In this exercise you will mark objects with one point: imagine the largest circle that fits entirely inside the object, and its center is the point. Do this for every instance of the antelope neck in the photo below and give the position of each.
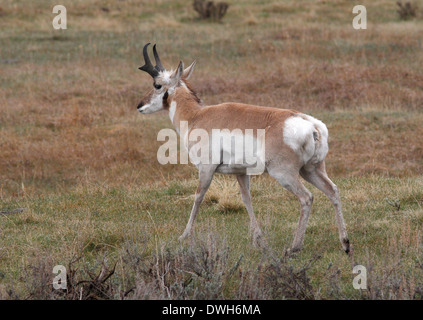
(184, 105)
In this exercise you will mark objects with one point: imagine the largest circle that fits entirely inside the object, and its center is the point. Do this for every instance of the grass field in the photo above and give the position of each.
(81, 161)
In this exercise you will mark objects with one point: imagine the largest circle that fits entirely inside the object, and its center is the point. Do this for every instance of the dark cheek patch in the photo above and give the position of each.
(165, 102)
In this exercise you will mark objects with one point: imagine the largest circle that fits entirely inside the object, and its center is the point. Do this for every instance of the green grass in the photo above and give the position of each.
(95, 220)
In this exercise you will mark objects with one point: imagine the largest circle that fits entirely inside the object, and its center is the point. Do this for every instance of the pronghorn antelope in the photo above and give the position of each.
(295, 144)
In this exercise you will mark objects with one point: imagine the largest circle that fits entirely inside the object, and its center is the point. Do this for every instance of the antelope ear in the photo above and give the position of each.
(176, 76)
(188, 71)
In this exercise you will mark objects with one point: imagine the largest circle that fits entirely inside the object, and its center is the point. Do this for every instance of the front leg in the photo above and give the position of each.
(244, 184)
(206, 176)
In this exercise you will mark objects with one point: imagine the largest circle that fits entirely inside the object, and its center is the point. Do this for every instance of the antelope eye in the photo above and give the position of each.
(157, 86)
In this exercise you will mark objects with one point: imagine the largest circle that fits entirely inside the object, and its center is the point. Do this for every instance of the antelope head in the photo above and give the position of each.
(165, 82)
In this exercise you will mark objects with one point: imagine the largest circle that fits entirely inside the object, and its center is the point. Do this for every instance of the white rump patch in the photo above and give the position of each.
(299, 134)
(323, 135)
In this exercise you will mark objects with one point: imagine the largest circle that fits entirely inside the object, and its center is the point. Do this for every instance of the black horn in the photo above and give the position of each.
(159, 65)
(148, 67)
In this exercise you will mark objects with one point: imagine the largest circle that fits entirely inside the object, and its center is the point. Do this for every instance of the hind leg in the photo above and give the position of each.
(290, 179)
(316, 175)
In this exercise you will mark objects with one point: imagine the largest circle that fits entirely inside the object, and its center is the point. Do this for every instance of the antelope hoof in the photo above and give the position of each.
(258, 239)
(183, 236)
(292, 252)
(346, 246)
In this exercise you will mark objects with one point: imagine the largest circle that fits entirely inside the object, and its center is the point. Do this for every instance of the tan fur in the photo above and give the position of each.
(146, 98)
(235, 116)
(281, 160)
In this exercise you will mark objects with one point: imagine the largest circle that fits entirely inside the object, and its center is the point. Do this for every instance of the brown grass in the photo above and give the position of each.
(64, 121)
(225, 194)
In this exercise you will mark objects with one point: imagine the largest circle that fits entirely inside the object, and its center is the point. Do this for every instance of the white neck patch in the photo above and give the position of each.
(172, 110)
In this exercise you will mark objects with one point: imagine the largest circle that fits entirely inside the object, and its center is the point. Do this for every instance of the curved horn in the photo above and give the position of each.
(148, 67)
(159, 65)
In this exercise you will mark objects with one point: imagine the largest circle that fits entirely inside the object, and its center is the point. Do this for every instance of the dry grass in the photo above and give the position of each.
(224, 193)
(84, 110)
